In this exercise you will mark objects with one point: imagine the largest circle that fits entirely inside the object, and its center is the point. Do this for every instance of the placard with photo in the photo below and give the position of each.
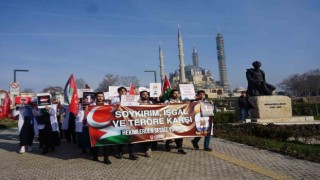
(81, 91)
(22, 101)
(88, 98)
(43, 100)
(207, 109)
(155, 89)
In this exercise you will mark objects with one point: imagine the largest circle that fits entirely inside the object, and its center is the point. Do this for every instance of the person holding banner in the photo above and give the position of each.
(175, 98)
(94, 150)
(201, 97)
(144, 100)
(117, 100)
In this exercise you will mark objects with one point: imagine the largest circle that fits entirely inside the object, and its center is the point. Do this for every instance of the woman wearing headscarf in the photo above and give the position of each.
(26, 127)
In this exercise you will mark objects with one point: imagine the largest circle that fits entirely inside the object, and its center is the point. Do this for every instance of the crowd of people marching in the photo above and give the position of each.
(55, 122)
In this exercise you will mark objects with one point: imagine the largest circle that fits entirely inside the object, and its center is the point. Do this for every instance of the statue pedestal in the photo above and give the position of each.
(277, 110)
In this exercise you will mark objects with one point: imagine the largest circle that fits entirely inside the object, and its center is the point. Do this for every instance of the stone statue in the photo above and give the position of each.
(257, 85)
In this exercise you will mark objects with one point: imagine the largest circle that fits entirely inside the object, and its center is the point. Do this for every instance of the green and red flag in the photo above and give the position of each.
(71, 95)
(166, 89)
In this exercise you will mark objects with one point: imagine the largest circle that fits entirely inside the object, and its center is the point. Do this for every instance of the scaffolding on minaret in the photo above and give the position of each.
(195, 57)
(222, 63)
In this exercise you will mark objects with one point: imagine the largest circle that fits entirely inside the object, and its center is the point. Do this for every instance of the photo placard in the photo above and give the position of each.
(88, 98)
(43, 100)
(22, 101)
(155, 89)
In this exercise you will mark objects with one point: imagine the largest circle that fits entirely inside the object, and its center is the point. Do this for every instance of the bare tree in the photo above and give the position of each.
(108, 80)
(307, 84)
(127, 80)
(115, 80)
(80, 83)
(53, 90)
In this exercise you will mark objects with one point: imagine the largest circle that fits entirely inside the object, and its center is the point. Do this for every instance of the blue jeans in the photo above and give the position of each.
(207, 140)
(245, 112)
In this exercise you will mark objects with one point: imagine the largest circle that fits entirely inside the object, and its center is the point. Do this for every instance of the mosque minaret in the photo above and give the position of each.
(195, 57)
(161, 64)
(181, 58)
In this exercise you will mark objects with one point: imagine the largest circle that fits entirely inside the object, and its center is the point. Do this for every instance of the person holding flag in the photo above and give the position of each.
(71, 98)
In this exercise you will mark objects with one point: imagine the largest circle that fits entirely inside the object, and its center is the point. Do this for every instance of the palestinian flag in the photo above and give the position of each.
(101, 129)
(166, 89)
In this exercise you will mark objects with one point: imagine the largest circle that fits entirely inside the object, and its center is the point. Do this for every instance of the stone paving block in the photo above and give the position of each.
(67, 162)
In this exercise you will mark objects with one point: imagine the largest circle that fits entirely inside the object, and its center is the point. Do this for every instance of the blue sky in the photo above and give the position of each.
(90, 38)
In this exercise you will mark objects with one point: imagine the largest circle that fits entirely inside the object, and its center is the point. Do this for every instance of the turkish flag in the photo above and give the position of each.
(70, 92)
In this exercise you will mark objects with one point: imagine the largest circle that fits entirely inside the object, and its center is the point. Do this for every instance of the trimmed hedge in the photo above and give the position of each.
(8, 123)
(275, 138)
(225, 117)
(305, 109)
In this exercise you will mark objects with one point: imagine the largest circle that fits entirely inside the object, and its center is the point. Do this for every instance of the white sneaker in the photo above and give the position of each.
(22, 150)
(29, 148)
(148, 153)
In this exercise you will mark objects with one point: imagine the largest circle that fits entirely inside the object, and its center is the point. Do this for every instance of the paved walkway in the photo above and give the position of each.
(229, 160)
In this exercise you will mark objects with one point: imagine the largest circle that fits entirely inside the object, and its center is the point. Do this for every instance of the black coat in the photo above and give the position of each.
(245, 102)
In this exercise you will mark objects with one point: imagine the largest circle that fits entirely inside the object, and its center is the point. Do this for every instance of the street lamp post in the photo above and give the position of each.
(18, 70)
(155, 74)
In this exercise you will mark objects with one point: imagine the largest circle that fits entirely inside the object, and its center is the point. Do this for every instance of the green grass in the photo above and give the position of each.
(8, 123)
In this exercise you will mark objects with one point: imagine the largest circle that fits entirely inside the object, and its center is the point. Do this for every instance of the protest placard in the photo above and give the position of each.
(22, 101)
(113, 90)
(155, 89)
(187, 91)
(88, 98)
(81, 91)
(43, 100)
(207, 109)
(130, 100)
